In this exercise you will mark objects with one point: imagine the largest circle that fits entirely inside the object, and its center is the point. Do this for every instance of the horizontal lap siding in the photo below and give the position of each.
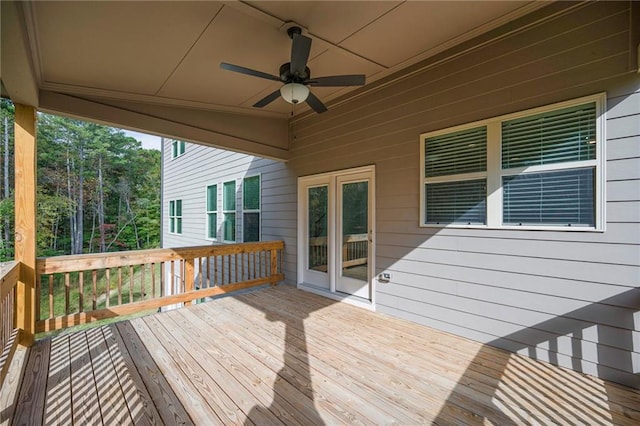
(187, 177)
(565, 297)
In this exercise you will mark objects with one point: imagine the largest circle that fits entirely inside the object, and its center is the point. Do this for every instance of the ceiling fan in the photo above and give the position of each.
(296, 76)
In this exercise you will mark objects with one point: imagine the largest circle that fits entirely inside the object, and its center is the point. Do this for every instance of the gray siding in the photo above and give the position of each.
(187, 177)
(570, 298)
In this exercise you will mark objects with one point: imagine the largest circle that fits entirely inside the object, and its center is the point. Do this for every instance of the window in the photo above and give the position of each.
(212, 212)
(229, 211)
(251, 209)
(175, 216)
(455, 177)
(541, 168)
(177, 149)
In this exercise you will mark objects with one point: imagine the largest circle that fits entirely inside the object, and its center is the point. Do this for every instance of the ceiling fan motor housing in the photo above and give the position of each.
(287, 77)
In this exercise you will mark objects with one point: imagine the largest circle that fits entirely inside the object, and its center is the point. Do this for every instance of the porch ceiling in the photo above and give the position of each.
(167, 54)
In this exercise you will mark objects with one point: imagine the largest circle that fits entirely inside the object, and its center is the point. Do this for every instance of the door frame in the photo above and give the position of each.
(331, 177)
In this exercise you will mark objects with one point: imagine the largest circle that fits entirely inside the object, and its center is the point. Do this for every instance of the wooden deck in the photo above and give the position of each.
(282, 355)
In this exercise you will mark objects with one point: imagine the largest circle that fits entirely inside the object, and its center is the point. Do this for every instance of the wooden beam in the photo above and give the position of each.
(18, 74)
(25, 211)
(255, 135)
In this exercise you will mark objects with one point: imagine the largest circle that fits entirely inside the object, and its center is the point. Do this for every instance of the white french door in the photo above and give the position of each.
(336, 232)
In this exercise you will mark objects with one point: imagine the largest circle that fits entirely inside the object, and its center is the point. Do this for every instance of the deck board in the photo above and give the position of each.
(284, 356)
(157, 395)
(31, 401)
(58, 393)
(84, 394)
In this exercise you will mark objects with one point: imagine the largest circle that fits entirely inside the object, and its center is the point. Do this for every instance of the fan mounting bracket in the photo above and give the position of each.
(290, 28)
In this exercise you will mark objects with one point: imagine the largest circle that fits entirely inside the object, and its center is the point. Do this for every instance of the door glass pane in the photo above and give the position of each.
(318, 208)
(355, 228)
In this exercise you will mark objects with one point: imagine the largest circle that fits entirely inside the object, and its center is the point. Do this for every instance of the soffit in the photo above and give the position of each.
(168, 53)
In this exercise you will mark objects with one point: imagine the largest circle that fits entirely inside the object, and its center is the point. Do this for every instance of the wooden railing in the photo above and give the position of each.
(72, 290)
(9, 333)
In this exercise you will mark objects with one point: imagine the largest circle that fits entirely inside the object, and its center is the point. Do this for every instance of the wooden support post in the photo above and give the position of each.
(25, 211)
(274, 264)
(189, 276)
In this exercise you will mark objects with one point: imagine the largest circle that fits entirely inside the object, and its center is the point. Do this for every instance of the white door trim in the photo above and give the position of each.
(331, 179)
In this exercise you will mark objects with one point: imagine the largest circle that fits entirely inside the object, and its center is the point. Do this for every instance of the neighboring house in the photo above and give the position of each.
(493, 192)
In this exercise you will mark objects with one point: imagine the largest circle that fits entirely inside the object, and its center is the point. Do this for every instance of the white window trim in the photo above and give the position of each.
(259, 211)
(174, 217)
(207, 211)
(180, 154)
(226, 212)
(495, 172)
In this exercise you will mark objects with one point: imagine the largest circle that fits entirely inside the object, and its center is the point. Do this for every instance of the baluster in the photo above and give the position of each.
(189, 271)
(254, 265)
(143, 267)
(94, 277)
(222, 272)
(202, 280)
(274, 263)
(81, 294)
(182, 272)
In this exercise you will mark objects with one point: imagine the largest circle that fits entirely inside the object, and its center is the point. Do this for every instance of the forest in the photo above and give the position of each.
(98, 189)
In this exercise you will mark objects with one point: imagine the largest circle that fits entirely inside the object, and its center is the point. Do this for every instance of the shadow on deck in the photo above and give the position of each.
(281, 355)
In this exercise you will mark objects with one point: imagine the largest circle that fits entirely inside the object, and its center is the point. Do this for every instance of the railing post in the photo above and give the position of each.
(189, 276)
(274, 264)
(25, 212)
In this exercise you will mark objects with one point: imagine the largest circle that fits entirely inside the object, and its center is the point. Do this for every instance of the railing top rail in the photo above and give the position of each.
(9, 276)
(85, 262)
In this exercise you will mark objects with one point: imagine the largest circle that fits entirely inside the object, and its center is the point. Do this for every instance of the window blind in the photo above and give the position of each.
(563, 135)
(251, 193)
(212, 207)
(212, 198)
(455, 153)
(229, 196)
(555, 198)
(456, 202)
(251, 224)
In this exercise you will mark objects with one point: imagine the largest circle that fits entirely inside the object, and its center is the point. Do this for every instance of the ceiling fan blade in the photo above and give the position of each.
(316, 104)
(248, 71)
(337, 80)
(267, 99)
(299, 54)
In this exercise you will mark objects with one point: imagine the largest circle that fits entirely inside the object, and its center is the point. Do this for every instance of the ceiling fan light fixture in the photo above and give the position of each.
(294, 92)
